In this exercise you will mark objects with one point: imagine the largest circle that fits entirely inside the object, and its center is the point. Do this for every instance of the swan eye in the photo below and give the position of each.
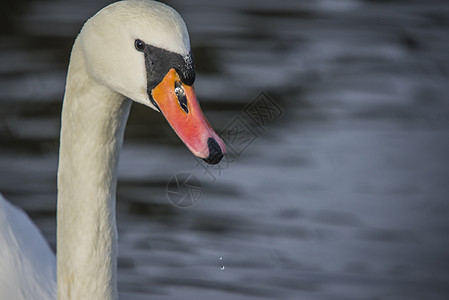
(140, 46)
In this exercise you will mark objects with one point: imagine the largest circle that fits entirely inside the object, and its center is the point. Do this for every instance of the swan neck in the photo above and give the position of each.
(92, 128)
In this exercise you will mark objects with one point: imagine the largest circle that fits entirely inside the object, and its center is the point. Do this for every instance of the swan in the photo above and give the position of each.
(133, 50)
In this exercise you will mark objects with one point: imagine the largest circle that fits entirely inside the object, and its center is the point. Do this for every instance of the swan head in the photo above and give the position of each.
(141, 49)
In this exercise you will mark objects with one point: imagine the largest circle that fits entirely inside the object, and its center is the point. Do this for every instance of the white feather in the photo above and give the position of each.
(25, 257)
(104, 70)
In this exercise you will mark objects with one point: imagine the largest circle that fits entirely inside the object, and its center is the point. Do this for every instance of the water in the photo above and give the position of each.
(342, 195)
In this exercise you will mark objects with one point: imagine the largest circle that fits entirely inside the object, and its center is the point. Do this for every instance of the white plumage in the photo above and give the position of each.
(25, 257)
(105, 70)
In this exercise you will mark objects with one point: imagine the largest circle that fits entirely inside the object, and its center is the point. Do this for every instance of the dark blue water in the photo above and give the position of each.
(337, 189)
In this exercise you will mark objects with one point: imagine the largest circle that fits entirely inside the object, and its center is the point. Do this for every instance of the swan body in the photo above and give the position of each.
(27, 255)
(133, 50)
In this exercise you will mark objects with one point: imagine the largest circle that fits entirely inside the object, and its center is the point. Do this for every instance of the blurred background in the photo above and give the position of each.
(343, 195)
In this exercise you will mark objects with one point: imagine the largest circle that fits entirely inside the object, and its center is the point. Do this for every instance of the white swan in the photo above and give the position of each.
(137, 50)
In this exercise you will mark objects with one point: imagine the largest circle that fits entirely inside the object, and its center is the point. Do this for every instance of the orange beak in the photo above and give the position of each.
(177, 102)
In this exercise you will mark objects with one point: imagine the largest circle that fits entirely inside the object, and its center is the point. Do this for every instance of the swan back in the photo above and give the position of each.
(27, 264)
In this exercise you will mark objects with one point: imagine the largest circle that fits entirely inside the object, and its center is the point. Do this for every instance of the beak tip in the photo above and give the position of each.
(213, 160)
(215, 152)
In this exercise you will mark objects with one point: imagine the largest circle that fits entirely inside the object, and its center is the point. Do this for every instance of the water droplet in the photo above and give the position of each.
(222, 268)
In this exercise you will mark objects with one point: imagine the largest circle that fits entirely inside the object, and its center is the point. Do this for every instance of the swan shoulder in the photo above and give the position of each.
(27, 264)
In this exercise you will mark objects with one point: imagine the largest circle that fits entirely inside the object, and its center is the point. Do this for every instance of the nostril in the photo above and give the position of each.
(215, 153)
(182, 99)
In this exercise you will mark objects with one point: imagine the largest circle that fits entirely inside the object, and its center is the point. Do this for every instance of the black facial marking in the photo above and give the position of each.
(154, 102)
(159, 61)
(181, 94)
